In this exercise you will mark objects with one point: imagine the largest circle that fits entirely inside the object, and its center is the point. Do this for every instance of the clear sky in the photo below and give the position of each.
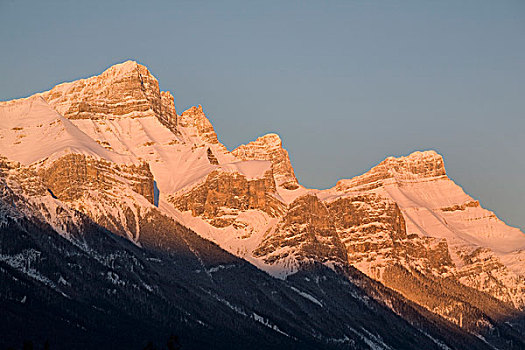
(345, 83)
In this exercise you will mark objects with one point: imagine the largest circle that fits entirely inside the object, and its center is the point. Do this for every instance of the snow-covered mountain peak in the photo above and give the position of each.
(270, 140)
(418, 155)
(123, 90)
(117, 71)
(123, 68)
(269, 147)
(420, 164)
(432, 205)
(414, 167)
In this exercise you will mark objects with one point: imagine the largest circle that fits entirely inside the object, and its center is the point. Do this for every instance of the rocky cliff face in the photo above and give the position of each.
(199, 127)
(306, 234)
(114, 196)
(24, 195)
(368, 224)
(483, 270)
(196, 119)
(269, 147)
(373, 230)
(126, 89)
(416, 166)
(72, 176)
(168, 116)
(435, 208)
(223, 195)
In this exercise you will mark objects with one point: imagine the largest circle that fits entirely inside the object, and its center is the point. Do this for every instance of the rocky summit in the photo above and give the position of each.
(123, 222)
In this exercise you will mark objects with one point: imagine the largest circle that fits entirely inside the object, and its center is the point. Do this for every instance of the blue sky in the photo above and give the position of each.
(345, 83)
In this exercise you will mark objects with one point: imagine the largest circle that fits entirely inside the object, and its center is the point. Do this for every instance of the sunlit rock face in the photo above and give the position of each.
(269, 147)
(418, 165)
(195, 118)
(435, 209)
(305, 234)
(126, 89)
(368, 213)
(168, 116)
(484, 271)
(24, 195)
(114, 196)
(223, 195)
(374, 232)
(73, 175)
(88, 191)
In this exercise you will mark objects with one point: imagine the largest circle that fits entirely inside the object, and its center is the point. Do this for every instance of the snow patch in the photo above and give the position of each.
(307, 296)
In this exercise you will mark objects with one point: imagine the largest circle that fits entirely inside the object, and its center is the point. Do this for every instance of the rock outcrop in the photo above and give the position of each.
(373, 231)
(484, 271)
(168, 116)
(417, 165)
(126, 89)
(114, 196)
(70, 177)
(306, 234)
(195, 119)
(222, 195)
(269, 147)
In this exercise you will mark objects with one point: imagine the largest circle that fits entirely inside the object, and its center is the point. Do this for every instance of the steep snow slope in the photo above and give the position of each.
(434, 205)
(124, 110)
(122, 117)
(486, 253)
(32, 131)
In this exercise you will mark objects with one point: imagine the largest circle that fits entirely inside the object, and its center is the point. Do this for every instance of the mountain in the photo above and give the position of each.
(122, 222)
(485, 253)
